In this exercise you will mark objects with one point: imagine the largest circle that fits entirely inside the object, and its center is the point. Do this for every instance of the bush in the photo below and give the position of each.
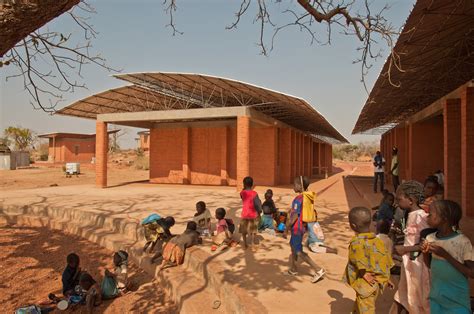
(142, 162)
(349, 152)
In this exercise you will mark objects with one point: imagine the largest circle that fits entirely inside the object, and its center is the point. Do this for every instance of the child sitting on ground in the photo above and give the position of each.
(224, 230)
(251, 209)
(71, 274)
(316, 239)
(368, 268)
(175, 249)
(202, 217)
(297, 228)
(91, 292)
(430, 193)
(386, 210)
(115, 283)
(267, 222)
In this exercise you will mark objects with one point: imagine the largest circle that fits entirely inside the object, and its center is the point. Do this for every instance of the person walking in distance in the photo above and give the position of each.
(379, 163)
(394, 169)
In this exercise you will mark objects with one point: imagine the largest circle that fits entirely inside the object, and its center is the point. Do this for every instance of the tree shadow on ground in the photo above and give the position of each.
(33, 260)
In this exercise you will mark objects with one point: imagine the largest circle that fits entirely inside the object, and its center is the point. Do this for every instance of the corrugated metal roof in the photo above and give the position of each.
(436, 53)
(154, 91)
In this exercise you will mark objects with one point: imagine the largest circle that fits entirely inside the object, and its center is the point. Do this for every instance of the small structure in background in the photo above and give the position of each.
(11, 160)
(143, 141)
(71, 147)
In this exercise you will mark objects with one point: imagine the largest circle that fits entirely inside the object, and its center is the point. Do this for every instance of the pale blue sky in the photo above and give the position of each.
(133, 37)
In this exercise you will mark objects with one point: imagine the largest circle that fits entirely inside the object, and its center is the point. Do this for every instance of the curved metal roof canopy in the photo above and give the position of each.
(436, 52)
(155, 91)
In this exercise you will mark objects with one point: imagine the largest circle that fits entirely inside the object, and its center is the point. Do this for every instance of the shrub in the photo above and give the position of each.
(142, 162)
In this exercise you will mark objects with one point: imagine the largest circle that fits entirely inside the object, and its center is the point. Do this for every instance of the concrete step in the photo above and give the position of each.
(118, 232)
(191, 292)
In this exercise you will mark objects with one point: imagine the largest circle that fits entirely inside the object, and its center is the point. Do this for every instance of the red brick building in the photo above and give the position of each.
(213, 131)
(71, 147)
(429, 115)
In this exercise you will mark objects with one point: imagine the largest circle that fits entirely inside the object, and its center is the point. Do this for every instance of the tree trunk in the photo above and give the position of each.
(18, 18)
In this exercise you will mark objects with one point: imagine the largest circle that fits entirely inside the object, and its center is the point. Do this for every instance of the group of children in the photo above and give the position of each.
(436, 258)
(255, 217)
(80, 288)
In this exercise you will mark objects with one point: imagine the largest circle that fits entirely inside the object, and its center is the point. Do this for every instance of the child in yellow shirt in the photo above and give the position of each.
(368, 268)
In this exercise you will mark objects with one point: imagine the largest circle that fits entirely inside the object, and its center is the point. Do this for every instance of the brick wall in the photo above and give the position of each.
(263, 155)
(452, 149)
(427, 152)
(467, 149)
(166, 153)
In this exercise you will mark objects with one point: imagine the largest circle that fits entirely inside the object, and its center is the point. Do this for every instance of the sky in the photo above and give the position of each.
(133, 37)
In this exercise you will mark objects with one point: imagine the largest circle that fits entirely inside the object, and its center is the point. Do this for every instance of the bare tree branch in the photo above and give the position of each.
(60, 58)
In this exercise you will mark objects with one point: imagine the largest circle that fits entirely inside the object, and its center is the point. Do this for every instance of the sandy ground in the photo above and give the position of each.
(46, 176)
(262, 273)
(32, 260)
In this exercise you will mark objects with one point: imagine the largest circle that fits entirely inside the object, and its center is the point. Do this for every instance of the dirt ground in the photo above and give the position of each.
(40, 176)
(32, 261)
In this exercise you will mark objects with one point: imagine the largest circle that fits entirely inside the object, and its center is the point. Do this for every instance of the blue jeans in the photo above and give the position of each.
(378, 175)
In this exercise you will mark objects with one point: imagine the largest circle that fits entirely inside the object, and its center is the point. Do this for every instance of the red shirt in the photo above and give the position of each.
(248, 207)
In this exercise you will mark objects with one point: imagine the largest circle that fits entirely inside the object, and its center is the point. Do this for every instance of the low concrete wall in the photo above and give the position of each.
(120, 232)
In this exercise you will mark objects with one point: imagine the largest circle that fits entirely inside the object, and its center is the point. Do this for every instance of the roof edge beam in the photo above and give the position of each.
(173, 115)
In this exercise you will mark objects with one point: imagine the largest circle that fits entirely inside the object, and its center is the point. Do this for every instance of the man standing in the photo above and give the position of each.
(379, 163)
(394, 169)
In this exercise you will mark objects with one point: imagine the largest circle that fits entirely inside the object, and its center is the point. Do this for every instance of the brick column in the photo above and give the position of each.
(410, 152)
(224, 174)
(311, 157)
(186, 156)
(467, 150)
(402, 149)
(243, 149)
(319, 158)
(101, 148)
(452, 149)
(301, 168)
(293, 156)
(330, 158)
(285, 161)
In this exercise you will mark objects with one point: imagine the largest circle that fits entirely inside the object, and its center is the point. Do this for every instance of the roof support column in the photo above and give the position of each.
(243, 149)
(467, 150)
(285, 161)
(54, 149)
(452, 149)
(224, 174)
(186, 156)
(319, 158)
(101, 149)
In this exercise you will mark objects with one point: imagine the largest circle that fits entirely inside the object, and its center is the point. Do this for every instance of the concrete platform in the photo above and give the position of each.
(241, 280)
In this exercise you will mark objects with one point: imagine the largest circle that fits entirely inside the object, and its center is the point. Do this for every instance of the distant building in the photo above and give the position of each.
(144, 140)
(71, 147)
(212, 131)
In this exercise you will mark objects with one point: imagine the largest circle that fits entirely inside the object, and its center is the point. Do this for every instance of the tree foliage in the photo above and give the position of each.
(21, 138)
(360, 152)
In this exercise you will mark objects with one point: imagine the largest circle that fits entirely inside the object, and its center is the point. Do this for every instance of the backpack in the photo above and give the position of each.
(309, 212)
(109, 288)
(230, 225)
